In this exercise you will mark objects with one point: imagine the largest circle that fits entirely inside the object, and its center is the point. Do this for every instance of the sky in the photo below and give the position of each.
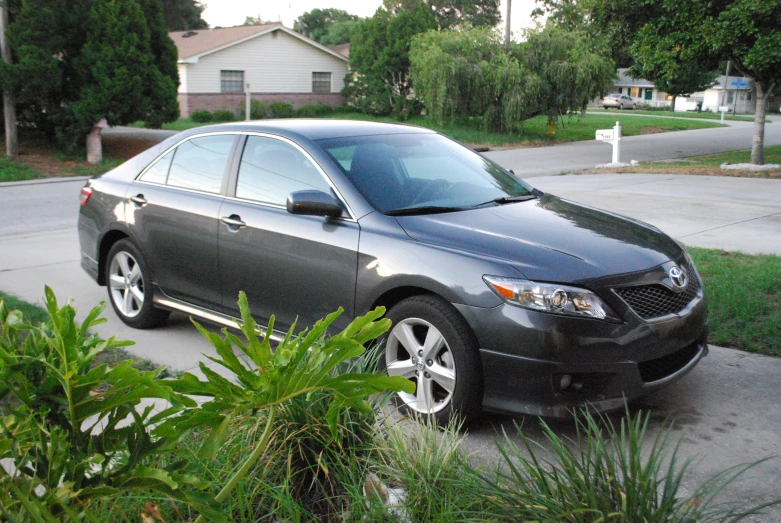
(226, 13)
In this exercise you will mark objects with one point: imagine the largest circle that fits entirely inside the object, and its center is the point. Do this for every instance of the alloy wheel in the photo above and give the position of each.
(419, 352)
(126, 283)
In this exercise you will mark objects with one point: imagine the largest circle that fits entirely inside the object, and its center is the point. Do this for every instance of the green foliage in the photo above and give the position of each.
(80, 61)
(471, 73)
(12, 170)
(379, 80)
(454, 14)
(280, 110)
(223, 115)
(201, 116)
(73, 432)
(313, 111)
(183, 15)
(257, 110)
(317, 24)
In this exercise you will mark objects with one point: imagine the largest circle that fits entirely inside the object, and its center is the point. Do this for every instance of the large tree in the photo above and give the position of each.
(79, 61)
(182, 15)
(453, 13)
(379, 80)
(316, 23)
(471, 73)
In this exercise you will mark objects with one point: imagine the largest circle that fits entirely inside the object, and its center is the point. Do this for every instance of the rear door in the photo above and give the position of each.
(290, 266)
(173, 210)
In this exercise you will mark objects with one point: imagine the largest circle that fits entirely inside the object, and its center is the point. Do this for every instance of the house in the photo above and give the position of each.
(641, 90)
(276, 63)
(740, 95)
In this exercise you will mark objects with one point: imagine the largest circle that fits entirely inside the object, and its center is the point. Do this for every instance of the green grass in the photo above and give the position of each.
(16, 171)
(772, 155)
(705, 115)
(743, 293)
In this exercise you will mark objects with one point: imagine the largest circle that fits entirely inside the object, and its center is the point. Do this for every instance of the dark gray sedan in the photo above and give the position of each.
(502, 297)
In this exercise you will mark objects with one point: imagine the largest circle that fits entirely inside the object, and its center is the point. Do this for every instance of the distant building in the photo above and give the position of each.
(740, 95)
(279, 64)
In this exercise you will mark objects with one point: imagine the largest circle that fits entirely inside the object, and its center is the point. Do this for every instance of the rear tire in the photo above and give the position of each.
(634, 106)
(129, 285)
(431, 344)
(620, 106)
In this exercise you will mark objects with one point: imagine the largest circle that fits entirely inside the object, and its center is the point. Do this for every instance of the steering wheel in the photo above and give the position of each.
(435, 187)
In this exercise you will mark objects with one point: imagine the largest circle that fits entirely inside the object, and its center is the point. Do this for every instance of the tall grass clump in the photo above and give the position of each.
(606, 473)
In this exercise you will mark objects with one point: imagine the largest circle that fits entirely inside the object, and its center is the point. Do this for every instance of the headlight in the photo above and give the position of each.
(551, 297)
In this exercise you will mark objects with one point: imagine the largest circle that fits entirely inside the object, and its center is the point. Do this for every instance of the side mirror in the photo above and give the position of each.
(313, 203)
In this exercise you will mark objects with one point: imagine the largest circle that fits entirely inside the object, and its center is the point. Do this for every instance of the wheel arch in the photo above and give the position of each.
(106, 242)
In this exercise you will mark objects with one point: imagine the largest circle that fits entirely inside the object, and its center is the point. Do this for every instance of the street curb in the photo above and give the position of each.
(41, 181)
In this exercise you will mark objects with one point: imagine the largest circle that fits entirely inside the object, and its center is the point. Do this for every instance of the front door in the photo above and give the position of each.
(289, 265)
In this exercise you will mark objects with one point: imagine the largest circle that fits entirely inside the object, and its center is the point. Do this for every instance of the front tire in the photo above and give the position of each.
(129, 285)
(431, 344)
(634, 107)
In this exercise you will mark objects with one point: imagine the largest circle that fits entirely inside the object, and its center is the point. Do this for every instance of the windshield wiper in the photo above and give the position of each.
(508, 199)
(426, 209)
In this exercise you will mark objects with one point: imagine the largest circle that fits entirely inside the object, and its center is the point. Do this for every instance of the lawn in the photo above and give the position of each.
(706, 115)
(708, 165)
(745, 311)
(534, 133)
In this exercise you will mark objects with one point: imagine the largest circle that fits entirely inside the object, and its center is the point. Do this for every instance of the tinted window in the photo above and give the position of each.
(199, 163)
(159, 171)
(271, 169)
(407, 171)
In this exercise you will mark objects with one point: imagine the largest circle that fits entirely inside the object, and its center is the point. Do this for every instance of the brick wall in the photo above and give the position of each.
(190, 102)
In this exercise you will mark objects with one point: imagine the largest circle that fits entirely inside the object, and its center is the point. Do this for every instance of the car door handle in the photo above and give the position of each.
(234, 220)
(138, 199)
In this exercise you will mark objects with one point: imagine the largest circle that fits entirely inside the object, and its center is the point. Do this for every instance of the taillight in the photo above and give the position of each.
(86, 193)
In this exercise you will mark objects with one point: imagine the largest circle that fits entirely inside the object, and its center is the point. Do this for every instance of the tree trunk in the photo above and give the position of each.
(9, 101)
(507, 33)
(672, 107)
(758, 142)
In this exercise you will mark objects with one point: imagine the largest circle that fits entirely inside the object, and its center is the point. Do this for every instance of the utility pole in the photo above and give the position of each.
(507, 24)
(9, 101)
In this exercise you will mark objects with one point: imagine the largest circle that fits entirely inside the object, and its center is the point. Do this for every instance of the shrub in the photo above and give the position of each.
(345, 109)
(280, 110)
(313, 111)
(201, 116)
(257, 110)
(224, 115)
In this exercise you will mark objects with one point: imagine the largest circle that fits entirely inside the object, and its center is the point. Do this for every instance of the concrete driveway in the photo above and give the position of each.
(726, 411)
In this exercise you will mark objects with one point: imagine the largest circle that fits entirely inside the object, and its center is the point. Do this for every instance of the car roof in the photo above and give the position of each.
(313, 129)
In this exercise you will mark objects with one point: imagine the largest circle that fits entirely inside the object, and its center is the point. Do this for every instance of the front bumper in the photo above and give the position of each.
(527, 355)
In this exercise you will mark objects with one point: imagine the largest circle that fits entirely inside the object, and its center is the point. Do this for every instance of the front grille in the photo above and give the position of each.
(660, 368)
(653, 301)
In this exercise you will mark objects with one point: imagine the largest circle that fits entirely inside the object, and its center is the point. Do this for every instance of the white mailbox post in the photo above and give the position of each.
(613, 137)
(723, 109)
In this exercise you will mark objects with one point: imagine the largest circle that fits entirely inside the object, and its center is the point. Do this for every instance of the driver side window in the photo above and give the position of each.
(271, 169)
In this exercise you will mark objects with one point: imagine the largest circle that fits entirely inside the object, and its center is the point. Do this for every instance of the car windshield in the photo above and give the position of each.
(399, 173)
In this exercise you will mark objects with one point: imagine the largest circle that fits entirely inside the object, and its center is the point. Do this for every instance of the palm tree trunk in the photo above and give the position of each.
(758, 142)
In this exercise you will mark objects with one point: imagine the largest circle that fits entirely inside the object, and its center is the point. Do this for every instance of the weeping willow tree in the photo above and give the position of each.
(471, 73)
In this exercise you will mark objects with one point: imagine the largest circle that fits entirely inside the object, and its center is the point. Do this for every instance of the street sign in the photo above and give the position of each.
(739, 83)
(723, 108)
(606, 135)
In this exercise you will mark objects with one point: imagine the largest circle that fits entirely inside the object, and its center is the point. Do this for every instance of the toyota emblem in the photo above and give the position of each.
(678, 278)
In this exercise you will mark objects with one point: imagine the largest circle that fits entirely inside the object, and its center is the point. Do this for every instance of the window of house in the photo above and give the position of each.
(321, 82)
(199, 164)
(730, 96)
(620, 90)
(232, 81)
(271, 169)
(159, 171)
(634, 92)
(748, 96)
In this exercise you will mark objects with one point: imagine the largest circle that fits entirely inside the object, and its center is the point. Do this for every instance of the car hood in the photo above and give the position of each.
(549, 239)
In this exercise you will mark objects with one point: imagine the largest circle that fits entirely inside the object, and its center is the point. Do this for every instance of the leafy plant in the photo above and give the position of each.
(73, 433)
(313, 111)
(300, 365)
(257, 110)
(201, 116)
